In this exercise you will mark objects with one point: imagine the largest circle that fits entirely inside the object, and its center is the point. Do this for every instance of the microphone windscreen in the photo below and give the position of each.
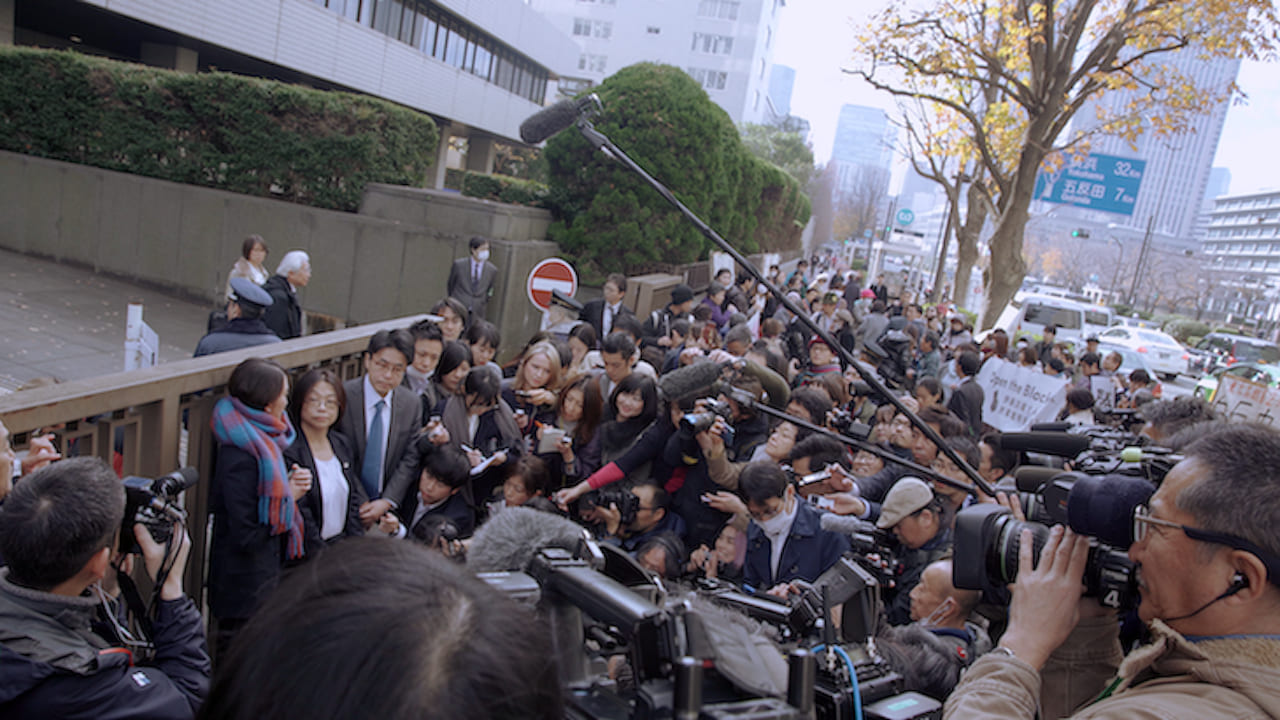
(509, 540)
(690, 380)
(1059, 444)
(845, 524)
(1030, 478)
(545, 123)
(1102, 506)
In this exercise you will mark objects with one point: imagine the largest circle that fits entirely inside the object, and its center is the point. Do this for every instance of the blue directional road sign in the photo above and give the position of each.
(1097, 182)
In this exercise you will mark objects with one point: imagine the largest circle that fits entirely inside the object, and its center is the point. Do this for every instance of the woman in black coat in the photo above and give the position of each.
(257, 526)
(331, 508)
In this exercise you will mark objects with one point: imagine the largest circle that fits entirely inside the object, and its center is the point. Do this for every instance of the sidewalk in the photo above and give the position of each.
(68, 322)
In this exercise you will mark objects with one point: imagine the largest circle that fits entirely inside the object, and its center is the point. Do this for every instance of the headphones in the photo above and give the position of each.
(1238, 582)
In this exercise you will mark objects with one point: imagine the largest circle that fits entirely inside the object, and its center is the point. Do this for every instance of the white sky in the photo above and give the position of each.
(816, 38)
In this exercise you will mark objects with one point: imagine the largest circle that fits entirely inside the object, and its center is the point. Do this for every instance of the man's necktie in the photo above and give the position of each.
(372, 466)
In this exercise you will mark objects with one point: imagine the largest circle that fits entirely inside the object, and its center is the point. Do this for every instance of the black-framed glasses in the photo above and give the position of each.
(1142, 520)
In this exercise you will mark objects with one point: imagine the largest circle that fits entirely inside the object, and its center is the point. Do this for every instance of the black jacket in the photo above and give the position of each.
(53, 666)
(245, 559)
(284, 314)
(966, 403)
(312, 504)
(593, 314)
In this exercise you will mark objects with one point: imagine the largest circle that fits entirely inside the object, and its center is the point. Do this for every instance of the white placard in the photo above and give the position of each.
(1016, 398)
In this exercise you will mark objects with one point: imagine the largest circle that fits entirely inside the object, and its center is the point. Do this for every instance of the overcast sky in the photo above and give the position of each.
(816, 38)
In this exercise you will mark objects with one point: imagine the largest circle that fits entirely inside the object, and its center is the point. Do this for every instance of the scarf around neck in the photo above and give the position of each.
(265, 438)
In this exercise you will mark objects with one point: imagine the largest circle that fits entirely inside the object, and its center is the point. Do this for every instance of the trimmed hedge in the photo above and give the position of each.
(246, 135)
(503, 188)
(609, 220)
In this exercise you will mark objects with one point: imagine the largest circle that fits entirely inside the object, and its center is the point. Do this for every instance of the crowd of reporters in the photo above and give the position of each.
(708, 441)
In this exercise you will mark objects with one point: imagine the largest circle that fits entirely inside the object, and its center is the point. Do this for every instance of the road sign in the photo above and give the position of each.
(867, 233)
(550, 274)
(905, 217)
(1098, 182)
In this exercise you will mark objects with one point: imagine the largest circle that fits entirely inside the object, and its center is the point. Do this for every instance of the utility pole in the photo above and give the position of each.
(940, 271)
(1142, 260)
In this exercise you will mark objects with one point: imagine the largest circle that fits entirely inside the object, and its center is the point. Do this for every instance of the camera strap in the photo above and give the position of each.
(133, 604)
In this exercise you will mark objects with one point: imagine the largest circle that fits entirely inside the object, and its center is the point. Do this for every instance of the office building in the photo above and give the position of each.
(725, 45)
(1242, 258)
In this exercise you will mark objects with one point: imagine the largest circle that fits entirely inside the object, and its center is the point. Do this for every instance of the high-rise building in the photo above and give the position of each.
(863, 151)
(782, 81)
(1177, 166)
(725, 45)
(1242, 256)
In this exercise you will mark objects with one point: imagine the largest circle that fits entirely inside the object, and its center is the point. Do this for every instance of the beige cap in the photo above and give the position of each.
(905, 497)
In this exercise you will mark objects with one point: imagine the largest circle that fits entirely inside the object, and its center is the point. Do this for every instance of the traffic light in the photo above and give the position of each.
(1079, 233)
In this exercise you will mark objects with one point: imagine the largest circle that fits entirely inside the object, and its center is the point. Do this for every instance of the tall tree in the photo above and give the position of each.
(1012, 74)
(782, 146)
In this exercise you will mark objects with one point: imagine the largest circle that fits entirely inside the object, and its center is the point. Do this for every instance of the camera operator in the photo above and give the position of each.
(653, 516)
(921, 520)
(1208, 564)
(1166, 418)
(59, 531)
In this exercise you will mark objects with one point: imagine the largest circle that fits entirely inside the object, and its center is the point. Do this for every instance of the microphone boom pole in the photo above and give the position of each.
(599, 141)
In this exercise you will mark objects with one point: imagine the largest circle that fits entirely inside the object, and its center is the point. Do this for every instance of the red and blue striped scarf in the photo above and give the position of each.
(264, 437)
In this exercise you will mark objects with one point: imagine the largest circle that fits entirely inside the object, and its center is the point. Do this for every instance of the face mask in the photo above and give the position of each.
(778, 524)
(482, 255)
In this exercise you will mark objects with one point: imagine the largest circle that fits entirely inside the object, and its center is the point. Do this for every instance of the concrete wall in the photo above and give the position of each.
(447, 211)
(185, 238)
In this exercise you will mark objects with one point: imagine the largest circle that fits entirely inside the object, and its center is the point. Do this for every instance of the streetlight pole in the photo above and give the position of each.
(1115, 276)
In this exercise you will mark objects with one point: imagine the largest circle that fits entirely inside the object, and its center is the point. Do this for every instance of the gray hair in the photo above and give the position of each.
(292, 260)
(1239, 494)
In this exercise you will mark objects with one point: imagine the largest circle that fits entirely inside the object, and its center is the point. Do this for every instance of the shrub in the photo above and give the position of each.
(502, 188)
(611, 220)
(246, 135)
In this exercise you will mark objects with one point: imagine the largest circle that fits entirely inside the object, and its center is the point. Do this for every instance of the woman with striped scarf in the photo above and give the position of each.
(257, 527)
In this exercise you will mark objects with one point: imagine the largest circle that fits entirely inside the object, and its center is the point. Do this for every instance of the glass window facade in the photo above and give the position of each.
(438, 33)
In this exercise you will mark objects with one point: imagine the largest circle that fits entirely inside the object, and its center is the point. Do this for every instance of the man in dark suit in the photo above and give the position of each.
(471, 278)
(284, 314)
(603, 312)
(966, 401)
(381, 416)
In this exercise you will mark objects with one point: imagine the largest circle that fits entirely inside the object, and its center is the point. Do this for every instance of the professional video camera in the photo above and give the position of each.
(1098, 504)
(893, 353)
(155, 504)
(696, 422)
(700, 652)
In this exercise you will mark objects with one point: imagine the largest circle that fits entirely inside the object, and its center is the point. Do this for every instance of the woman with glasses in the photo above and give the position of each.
(331, 508)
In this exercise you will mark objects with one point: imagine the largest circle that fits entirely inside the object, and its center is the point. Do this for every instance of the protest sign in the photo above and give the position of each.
(1016, 397)
(1240, 400)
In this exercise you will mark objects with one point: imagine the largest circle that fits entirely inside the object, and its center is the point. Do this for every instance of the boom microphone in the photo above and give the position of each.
(695, 379)
(561, 116)
(1047, 443)
(510, 539)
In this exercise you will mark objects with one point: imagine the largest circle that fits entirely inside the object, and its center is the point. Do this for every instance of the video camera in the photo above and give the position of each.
(155, 504)
(1096, 499)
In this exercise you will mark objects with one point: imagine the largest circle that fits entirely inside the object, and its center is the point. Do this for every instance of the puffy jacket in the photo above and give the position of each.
(53, 666)
(1172, 677)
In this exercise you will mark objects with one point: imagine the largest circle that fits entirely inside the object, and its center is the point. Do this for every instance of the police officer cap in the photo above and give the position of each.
(245, 292)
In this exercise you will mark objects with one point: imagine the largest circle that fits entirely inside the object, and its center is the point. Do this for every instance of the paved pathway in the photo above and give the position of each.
(68, 322)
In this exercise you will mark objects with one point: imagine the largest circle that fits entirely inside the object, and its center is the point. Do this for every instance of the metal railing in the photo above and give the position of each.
(153, 421)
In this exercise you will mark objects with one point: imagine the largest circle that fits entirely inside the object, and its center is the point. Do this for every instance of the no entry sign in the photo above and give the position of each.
(550, 274)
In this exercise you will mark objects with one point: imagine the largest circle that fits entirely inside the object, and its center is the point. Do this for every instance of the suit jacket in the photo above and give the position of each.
(464, 291)
(284, 314)
(406, 417)
(593, 313)
(312, 504)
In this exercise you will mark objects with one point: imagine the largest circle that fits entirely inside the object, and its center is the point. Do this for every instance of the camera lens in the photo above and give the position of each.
(1003, 560)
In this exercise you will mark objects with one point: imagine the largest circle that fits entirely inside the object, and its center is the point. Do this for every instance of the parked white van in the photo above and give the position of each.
(1036, 311)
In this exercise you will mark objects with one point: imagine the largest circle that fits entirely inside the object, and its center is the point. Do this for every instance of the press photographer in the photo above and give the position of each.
(1208, 565)
(59, 533)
